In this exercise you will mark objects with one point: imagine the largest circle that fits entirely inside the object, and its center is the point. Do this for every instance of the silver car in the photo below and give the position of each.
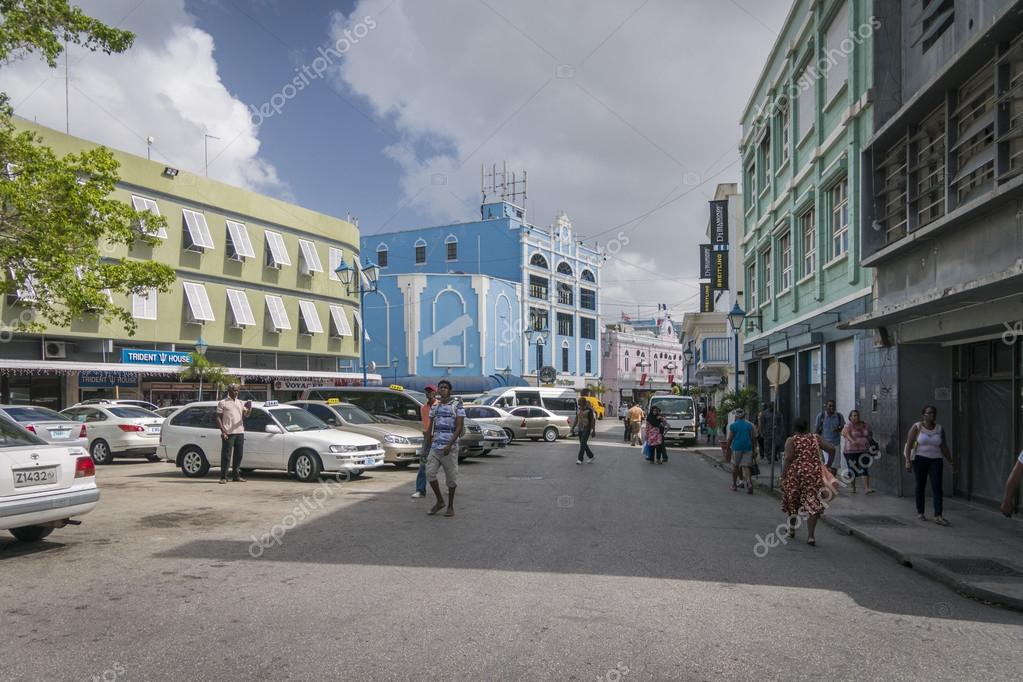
(542, 423)
(53, 427)
(514, 427)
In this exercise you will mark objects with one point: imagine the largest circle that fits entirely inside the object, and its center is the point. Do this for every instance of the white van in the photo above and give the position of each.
(680, 411)
(560, 401)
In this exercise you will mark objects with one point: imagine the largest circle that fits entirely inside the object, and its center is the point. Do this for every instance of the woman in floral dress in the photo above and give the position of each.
(803, 488)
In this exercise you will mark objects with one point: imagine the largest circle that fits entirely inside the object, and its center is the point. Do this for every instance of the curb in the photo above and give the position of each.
(917, 563)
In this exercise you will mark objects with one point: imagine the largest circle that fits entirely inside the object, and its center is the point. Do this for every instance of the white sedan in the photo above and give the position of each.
(118, 431)
(41, 485)
(281, 437)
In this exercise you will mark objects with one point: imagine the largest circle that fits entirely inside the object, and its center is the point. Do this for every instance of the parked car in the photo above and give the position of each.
(541, 423)
(277, 437)
(118, 431)
(494, 437)
(42, 486)
(144, 404)
(401, 443)
(514, 427)
(51, 426)
(166, 411)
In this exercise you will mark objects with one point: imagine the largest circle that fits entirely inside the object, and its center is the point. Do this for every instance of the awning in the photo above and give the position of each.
(67, 367)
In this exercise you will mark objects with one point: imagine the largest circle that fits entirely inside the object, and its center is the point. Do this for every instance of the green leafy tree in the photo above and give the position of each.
(57, 220)
(747, 398)
(211, 373)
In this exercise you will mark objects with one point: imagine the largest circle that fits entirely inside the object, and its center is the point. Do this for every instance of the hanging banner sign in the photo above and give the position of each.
(719, 274)
(154, 357)
(706, 298)
(706, 261)
(719, 222)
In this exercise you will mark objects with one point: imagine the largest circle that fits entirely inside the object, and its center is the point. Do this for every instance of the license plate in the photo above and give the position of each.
(154, 429)
(59, 435)
(30, 477)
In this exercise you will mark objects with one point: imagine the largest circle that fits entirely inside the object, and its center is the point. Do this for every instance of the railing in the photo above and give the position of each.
(716, 350)
(536, 291)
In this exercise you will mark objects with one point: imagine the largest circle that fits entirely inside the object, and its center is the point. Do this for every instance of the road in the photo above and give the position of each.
(615, 570)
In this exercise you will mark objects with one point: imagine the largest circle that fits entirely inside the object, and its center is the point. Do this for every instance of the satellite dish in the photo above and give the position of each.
(372, 366)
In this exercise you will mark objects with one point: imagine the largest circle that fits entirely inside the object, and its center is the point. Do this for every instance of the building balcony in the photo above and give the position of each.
(538, 292)
(715, 352)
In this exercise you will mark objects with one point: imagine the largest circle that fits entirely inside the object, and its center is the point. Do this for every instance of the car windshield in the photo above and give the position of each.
(13, 436)
(130, 412)
(34, 414)
(355, 415)
(295, 419)
(420, 397)
(675, 408)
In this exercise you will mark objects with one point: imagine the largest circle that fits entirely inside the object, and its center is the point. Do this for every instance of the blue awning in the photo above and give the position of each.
(474, 384)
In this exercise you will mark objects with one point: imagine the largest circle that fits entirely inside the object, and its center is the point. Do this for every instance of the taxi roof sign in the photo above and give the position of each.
(333, 401)
(396, 387)
(271, 403)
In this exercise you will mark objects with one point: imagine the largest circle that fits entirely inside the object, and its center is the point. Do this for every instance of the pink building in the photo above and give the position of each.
(640, 357)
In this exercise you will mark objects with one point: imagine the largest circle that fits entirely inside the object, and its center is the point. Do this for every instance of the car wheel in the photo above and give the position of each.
(307, 467)
(401, 466)
(194, 464)
(484, 453)
(510, 434)
(550, 434)
(100, 452)
(31, 533)
(153, 458)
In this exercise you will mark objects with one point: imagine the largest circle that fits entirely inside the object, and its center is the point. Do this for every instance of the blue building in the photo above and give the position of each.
(494, 300)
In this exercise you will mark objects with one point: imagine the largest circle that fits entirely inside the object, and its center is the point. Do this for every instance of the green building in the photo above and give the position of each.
(255, 281)
(802, 131)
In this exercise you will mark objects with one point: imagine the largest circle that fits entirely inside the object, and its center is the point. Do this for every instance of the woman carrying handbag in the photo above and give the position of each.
(803, 484)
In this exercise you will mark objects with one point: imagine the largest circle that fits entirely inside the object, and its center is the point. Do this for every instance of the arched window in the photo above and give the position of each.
(564, 356)
(564, 269)
(448, 308)
(451, 245)
(588, 276)
(382, 255)
(420, 251)
(539, 261)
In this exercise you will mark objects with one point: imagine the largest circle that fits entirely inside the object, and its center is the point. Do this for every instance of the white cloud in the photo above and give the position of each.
(606, 130)
(166, 86)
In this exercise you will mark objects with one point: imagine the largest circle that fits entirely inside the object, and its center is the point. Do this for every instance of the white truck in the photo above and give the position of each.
(680, 411)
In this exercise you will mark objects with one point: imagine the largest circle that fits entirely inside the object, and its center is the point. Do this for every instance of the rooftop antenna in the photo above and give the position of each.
(499, 184)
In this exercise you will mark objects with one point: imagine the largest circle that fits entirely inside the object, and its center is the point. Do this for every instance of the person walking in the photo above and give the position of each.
(424, 416)
(447, 419)
(769, 433)
(829, 427)
(712, 424)
(741, 433)
(656, 425)
(856, 450)
(635, 416)
(623, 414)
(586, 426)
(802, 483)
(231, 414)
(925, 448)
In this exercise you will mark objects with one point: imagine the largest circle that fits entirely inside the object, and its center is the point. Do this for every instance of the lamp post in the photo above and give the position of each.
(200, 348)
(350, 275)
(394, 363)
(670, 368)
(687, 355)
(541, 340)
(735, 317)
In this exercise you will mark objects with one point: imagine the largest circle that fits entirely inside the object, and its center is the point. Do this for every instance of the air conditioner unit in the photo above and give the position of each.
(54, 350)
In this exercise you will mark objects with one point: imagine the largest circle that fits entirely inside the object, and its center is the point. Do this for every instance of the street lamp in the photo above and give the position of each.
(670, 368)
(735, 317)
(541, 340)
(350, 275)
(394, 363)
(687, 355)
(200, 348)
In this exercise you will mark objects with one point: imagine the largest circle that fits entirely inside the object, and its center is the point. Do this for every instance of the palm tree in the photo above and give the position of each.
(200, 368)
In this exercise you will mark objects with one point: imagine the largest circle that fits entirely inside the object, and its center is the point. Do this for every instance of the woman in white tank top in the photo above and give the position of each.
(931, 449)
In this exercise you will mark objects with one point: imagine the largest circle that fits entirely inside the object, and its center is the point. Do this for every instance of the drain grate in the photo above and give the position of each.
(977, 566)
(873, 520)
(526, 478)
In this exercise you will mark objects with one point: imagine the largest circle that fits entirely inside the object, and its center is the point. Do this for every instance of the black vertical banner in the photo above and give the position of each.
(719, 270)
(706, 298)
(719, 222)
(706, 264)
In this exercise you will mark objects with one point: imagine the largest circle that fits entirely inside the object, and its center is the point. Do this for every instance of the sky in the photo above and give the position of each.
(625, 114)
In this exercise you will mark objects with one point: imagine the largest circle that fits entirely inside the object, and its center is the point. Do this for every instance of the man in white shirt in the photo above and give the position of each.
(231, 414)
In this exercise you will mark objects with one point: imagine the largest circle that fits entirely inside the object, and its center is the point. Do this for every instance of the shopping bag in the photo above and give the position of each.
(648, 452)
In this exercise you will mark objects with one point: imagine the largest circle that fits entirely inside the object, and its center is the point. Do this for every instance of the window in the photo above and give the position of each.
(334, 258)
(974, 123)
(278, 315)
(276, 252)
(565, 294)
(768, 278)
(588, 298)
(785, 246)
(538, 287)
(587, 276)
(930, 174)
(589, 360)
(838, 200)
(837, 58)
(321, 412)
(451, 246)
(784, 119)
(420, 251)
(200, 309)
(806, 109)
(537, 319)
(891, 199)
(539, 261)
(143, 204)
(308, 319)
(565, 325)
(751, 287)
(257, 421)
(764, 160)
(564, 269)
(241, 311)
(382, 255)
(197, 417)
(239, 246)
(808, 227)
(339, 322)
(197, 232)
(143, 306)
(751, 182)
(564, 358)
(588, 328)
(937, 16)
(310, 261)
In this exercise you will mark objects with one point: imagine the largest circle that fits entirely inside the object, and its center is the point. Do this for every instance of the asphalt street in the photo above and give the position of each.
(615, 570)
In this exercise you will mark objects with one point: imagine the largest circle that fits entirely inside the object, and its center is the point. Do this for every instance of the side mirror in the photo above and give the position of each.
(273, 428)
(411, 414)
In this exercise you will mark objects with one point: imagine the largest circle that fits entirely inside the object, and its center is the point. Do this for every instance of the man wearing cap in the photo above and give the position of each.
(424, 415)
(740, 440)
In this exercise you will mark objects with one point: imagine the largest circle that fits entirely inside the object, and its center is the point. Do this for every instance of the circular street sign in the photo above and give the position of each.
(548, 375)
(777, 373)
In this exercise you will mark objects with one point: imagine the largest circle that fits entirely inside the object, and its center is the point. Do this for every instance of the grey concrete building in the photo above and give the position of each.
(942, 228)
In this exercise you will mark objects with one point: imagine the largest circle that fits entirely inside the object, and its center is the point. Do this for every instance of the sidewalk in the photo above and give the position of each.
(980, 555)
